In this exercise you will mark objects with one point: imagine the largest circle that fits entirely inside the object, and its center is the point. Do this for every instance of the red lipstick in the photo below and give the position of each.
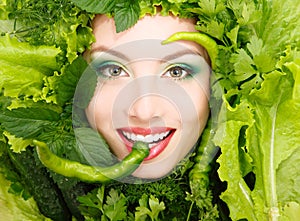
(158, 138)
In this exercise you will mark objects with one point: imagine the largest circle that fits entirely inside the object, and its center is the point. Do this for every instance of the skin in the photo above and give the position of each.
(145, 97)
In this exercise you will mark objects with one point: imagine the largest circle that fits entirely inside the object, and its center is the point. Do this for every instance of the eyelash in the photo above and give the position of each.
(106, 70)
(109, 66)
(182, 67)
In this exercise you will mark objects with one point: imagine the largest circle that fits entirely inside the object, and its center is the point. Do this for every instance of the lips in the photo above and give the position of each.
(157, 138)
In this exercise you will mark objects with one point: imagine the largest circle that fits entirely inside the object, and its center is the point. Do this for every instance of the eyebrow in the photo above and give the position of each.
(169, 57)
(178, 54)
(111, 52)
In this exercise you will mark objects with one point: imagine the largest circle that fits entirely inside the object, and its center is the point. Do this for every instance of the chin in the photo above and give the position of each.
(156, 171)
(159, 167)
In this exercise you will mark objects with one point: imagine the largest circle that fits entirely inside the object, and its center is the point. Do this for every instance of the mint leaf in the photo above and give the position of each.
(126, 14)
(28, 122)
(64, 85)
(93, 147)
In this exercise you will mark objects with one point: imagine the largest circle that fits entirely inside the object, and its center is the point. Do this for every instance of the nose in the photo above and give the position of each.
(147, 103)
(146, 108)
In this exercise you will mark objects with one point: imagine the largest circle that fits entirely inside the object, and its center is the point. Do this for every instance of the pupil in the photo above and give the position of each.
(115, 71)
(176, 72)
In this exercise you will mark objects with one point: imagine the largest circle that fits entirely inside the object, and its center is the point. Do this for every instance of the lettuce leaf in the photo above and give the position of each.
(259, 122)
(15, 202)
(14, 207)
(23, 67)
(54, 23)
(263, 131)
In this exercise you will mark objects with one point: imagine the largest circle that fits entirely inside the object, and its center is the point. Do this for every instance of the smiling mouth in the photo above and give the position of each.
(156, 138)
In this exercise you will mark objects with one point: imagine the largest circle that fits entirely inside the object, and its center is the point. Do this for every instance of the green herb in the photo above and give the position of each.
(57, 23)
(149, 207)
(159, 200)
(255, 109)
(126, 13)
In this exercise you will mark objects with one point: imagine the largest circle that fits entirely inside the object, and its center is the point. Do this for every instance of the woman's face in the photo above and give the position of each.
(148, 91)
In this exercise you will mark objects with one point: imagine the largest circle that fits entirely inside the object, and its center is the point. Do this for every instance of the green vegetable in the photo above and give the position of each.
(40, 186)
(92, 173)
(258, 123)
(202, 39)
(255, 100)
(258, 141)
(57, 23)
(15, 200)
(199, 180)
(13, 206)
(161, 200)
(70, 190)
(126, 13)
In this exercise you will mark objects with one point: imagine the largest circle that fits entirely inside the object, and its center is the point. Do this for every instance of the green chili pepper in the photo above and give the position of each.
(208, 43)
(89, 173)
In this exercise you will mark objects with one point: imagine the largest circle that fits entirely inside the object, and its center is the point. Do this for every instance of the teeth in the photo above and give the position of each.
(140, 137)
(156, 137)
(151, 139)
(132, 137)
(148, 139)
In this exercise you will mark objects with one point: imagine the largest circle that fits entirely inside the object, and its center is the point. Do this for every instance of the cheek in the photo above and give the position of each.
(202, 109)
(199, 97)
(99, 110)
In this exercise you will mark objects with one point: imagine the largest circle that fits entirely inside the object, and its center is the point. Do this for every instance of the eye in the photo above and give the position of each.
(111, 70)
(177, 72)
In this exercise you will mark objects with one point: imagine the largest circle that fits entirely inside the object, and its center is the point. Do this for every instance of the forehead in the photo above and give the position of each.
(149, 49)
(149, 27)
